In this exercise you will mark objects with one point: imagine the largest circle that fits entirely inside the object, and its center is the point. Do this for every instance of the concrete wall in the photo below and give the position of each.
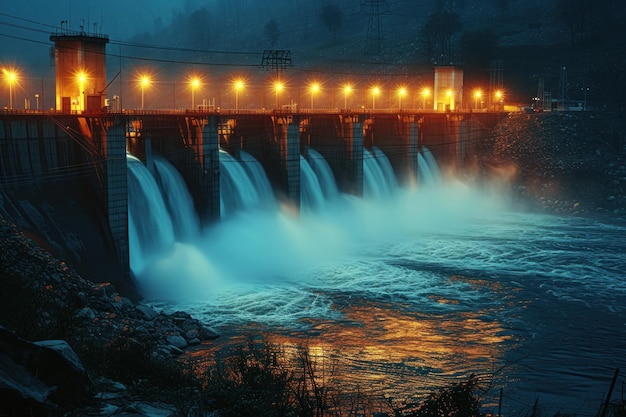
(40, 148)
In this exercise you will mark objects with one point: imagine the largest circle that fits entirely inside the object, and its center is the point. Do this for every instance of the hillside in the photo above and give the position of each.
(384, 40)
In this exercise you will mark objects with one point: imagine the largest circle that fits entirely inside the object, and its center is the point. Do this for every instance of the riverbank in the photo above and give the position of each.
(560, 162)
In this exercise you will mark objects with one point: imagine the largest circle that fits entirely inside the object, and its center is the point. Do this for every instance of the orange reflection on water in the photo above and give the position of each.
(386, 351)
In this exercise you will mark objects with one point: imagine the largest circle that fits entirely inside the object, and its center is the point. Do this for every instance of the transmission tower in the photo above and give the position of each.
(495, 78)
(540, 98)
(375, 9)
(276, 60)
(563, 88)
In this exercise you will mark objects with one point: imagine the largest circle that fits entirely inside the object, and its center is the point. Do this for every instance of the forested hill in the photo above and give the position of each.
(534, 39)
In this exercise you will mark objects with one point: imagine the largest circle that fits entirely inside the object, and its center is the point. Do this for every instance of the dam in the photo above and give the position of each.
(42, 148)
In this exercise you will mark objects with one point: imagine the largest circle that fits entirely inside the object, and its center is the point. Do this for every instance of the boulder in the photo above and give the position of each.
(44, 373)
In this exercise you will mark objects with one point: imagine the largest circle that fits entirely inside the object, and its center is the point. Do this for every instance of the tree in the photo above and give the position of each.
(272, 33)
(438, 31)
(198, 26)
(332, 17)
(478, 47)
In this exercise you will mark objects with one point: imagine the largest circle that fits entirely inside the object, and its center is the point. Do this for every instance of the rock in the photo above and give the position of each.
(147, 312)
(176, 340)
(207, 334)
(86, 313)
(44, 372)
(106, 384)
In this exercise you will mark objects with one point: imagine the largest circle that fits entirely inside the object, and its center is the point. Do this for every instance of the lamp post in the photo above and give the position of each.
(82, 77)
(477, 95)
(11, 77)
(145, 82)
(347, 89)
(278, 87)
(375, 92)
(499, 98)
(401, 93)
(425, 93)
(239, 85)
(195, 83)
(315, 88)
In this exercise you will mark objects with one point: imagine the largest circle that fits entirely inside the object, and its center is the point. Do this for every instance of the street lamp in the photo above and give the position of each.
(11, 77)
(239, 86)
(82, 77)
(401, 93)
(145, 82)
(315, 88)
(347, 89)
(499, 96)
(425, 93)
(194, 83)
(375, 92)
(477, 95)
(278, 88)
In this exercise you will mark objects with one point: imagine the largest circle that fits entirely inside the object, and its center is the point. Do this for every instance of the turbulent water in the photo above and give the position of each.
(411, 289)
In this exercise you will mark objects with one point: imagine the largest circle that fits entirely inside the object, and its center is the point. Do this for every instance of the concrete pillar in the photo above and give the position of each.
(49, 144)
(208, 154)
(288, 139)
(289, 153)
(117, 191)
(147, 147)
(34, 145)
(412, 147)
(353, 137)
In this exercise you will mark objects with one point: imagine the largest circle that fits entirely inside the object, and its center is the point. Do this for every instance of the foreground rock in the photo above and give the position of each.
(42, 299)
(39, 375)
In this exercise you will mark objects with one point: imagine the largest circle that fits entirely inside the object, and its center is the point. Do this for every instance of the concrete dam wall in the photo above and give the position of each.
(63, 178)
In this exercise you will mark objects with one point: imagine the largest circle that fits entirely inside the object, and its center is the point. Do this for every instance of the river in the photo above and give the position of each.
(412, 289)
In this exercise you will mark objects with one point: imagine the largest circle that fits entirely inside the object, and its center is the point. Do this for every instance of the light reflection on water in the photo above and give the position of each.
(384, 352)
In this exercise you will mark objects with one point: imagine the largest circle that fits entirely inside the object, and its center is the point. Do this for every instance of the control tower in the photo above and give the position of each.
(80, 60)
(448, 92)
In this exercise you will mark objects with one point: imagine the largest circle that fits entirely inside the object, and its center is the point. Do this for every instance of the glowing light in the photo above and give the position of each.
(81, 77)
(477, 95)
(11, 77)
(315, 88)
(401, 93)
(347, 89)
(238, 85)
(375, 92)
(194, 83)
(144, 81)
(425, 94)
(278, 88)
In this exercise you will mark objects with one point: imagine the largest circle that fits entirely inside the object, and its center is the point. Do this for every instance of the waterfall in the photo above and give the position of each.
(387, 169)
(324, 174)
(311, 194)
(424, 174)
(259, 179)
(427, 168)
(378, 177)
(178, 200)
(237, 191)
(150, 225)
